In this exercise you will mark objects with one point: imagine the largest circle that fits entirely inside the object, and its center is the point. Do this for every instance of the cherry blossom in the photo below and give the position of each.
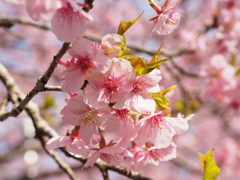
(85, 59)
(160, 129)
(101, 87)
(42, 9)
(138, 99)
(167, 19)
(112, 44)
(151, 154)
(73, 143)
(78, 113)
(108, 153)
(68, 23)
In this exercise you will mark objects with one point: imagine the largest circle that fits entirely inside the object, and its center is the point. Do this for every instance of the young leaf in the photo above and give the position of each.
(136, 62)
(125, 25)
(161, 101)
(164, 92)
(210, 168)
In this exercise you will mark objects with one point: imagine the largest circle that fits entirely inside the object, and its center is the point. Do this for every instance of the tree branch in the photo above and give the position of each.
(8, 22)
(42, 81)
(51, 88)
(43, 128)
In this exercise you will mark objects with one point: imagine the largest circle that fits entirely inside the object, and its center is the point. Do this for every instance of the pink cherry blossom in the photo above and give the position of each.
(68, 23)
(108, 153)
(151, 154)
(160, 129)
(73, 144)
(220, 78)
(101, 87)
(42, 9)
(113, 44)
(85, 59)
(138, 99)
(167, 19)
(128, 128)
(78, 113)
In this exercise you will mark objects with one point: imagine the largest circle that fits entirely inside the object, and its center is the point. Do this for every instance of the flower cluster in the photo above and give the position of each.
(117, 95)
(114, 100)
(67, 18)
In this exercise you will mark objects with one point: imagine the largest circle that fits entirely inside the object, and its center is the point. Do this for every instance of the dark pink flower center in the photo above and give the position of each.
(139, 85)
(123, 115)
(108, 158)
(113, 83)
(157, 120)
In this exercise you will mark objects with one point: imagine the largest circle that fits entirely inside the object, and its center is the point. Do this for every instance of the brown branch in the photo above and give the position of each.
(182, 71)
(8, 22)
(42, 81)
(121, 170)
(64, 166)
(3, 104)
(104, 172)
(90, 3)
(41, 126)
(51, 88)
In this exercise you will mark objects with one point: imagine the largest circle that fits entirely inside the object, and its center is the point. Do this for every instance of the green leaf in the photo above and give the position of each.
(136, 62)
(156, 63)
(125, 25)
(210, 168)
(48, 102)
(233, 60)
(237, 73)
(164, 92)
(161, 101)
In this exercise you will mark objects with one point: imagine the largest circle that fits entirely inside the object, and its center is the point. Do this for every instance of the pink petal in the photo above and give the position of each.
(68, 25)
(150, 31)
(109, 123)
(171, 4)
(73, 79)
(81, 48)
(57, 142)
(89, 133)
(91, 160)
(41, 9)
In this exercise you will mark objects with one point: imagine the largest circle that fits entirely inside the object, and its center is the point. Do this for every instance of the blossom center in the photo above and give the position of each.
(113, 83)
(157, 120)
(138, 86)
(108, 158)
(88, 118)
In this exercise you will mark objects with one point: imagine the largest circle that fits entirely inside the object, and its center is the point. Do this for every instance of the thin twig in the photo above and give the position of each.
(64, 166)
(42, 81)
(3, 104)
(104, 172)
(8, 22)
(51, 88)
(41, 126)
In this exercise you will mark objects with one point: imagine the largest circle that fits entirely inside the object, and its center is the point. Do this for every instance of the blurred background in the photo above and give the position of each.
(204, 64)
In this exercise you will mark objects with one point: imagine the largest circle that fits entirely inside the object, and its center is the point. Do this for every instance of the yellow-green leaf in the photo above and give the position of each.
(48, 102)
(210, 168)
(136, 62)
(237, 73)
(233, 60)
(161, 101)
(164, 92)
(125, 25)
